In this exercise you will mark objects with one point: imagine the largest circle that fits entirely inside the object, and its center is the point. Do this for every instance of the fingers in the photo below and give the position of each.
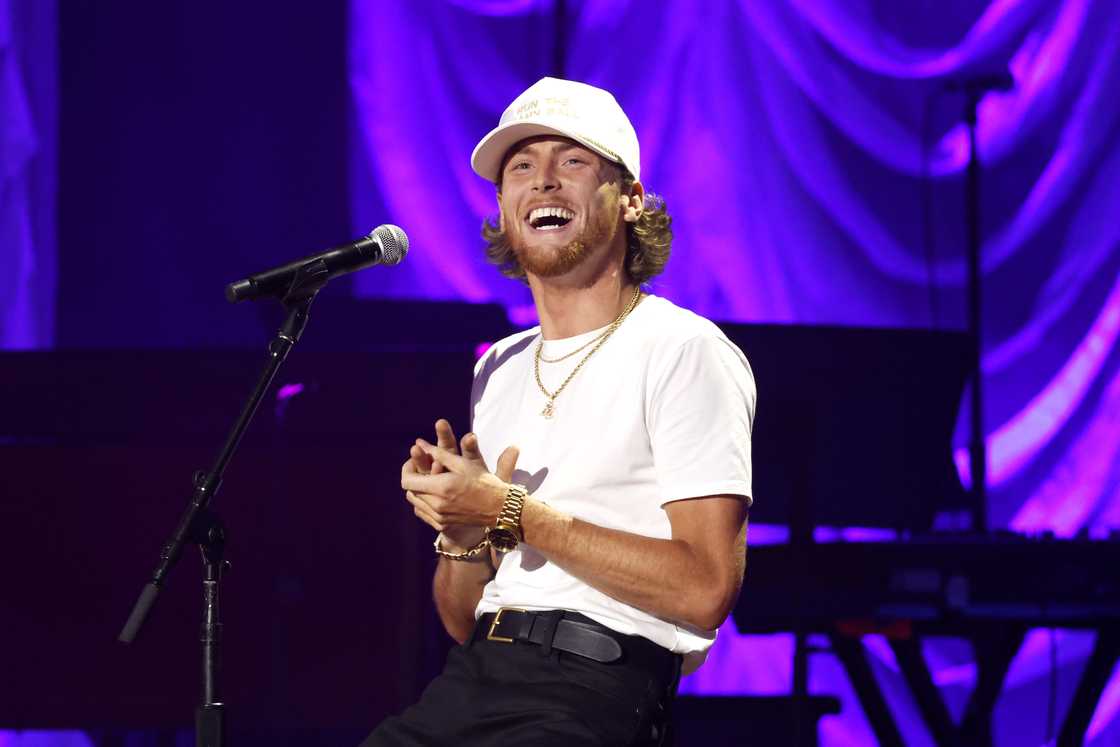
(448, 459)
(470, 448)
(445, 439)
(422, 463)
(445, 484)
(507, 463)
(445, 435)
(421, 508)
(424, 512)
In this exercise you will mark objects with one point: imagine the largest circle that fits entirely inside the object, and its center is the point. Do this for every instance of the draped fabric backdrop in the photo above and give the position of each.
(812, 154)
(28, 128)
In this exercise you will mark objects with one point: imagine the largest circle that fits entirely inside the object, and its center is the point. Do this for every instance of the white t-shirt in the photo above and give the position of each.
(660, 413)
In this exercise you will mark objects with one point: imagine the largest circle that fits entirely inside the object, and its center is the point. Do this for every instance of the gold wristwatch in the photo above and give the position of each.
(506, 532)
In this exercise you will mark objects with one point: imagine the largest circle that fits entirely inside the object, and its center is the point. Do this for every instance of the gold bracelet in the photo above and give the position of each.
(466, 554)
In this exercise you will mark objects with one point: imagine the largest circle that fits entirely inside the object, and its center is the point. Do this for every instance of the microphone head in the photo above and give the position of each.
(393, 242)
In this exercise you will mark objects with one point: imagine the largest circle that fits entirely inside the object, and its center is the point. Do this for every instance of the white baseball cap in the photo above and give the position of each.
(552, 106)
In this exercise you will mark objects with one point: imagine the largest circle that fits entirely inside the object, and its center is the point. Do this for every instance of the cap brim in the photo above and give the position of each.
(488, 154)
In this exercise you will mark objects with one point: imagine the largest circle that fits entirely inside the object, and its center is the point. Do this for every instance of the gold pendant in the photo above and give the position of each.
(547, 412)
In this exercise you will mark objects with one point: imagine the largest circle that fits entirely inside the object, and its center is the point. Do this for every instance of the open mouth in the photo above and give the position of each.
(550, 218)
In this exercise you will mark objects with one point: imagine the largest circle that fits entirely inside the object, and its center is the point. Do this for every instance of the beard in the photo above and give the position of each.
(550, 263)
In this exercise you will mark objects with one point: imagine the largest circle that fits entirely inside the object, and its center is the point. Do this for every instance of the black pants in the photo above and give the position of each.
(514, 694)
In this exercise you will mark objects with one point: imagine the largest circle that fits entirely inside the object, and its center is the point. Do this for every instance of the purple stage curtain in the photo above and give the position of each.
(813, 155)
(28, 161)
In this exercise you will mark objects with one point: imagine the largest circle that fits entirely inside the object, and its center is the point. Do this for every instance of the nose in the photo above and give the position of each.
(545, 179)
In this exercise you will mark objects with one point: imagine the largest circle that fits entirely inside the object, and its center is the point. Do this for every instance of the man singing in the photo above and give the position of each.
(606, 544)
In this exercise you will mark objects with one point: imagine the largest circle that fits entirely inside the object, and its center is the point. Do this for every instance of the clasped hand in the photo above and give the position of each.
(448, 489)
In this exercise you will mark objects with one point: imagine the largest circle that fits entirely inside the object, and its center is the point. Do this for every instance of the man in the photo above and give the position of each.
(607, 543)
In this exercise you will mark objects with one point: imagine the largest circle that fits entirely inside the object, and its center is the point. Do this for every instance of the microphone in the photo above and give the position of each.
(385, 245)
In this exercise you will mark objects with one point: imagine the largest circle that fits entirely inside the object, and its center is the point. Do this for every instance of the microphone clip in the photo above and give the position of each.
(307, 281)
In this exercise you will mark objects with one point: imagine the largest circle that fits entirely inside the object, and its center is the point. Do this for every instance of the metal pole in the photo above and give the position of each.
(977, 450)
(210, 717)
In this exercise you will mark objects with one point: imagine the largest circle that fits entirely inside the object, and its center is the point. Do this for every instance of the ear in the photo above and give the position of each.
(634, 203)
(501, 215)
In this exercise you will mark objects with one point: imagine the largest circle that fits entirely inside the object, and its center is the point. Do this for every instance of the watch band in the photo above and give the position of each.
(510, 514)
(506, 532)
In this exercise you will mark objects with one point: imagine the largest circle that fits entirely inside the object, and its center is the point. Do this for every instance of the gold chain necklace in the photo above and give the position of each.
(582, 347)
(550, 408)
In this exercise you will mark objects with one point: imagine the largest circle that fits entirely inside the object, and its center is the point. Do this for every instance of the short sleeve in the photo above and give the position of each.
(699, 414)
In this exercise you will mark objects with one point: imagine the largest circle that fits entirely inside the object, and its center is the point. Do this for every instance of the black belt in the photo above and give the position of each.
(570, 632)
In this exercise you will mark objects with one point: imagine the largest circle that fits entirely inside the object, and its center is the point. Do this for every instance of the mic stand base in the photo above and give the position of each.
(210, 725)
(210, 717)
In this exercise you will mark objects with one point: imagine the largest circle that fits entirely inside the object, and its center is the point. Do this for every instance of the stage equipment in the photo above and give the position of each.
(297, 283)
(854, 429)
(988, 589)
(974, 88)
(385, 245)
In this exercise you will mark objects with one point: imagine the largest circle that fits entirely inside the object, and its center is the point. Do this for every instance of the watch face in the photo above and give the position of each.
(501, 539)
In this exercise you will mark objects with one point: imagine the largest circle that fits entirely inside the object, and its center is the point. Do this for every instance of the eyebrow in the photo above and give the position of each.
(557, 148)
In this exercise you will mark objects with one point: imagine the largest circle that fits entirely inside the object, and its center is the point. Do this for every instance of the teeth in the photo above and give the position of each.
(539, 214)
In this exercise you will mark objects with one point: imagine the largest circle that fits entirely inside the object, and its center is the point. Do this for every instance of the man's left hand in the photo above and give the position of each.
(465, 493)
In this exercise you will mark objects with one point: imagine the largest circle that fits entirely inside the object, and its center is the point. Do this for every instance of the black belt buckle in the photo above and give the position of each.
(494, 625)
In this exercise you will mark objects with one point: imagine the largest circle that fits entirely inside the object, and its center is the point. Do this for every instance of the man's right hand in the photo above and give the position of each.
(455, 538)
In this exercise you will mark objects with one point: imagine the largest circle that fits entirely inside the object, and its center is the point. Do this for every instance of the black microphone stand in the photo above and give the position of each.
(200, 525)
(974, 88)
(977, 449)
